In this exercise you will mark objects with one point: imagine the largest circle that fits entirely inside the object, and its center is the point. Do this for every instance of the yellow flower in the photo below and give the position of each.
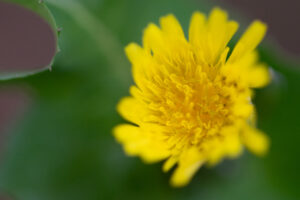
(192, 101)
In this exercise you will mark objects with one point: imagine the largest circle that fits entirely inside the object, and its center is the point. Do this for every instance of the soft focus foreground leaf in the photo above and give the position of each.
(64, 148)
(39, 7)
(27, 21)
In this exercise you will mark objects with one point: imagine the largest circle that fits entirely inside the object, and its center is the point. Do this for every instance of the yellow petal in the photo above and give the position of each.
(153, 39)
(212, 35)
(137, 142)
(131, 109)
(136, 56)
(217, 17)
(131, 137)
(220, 29)
(169, 163)
(243, 109)
(126, 132)
(259, 76)
(247, 70)
(215, 156)
(144, 66)
(183, 174)
(189, 163)
(228, 146)
(233, 145)
(196, 28)
(255, 140)
(170, 25)
(249, 41)
(134, 53)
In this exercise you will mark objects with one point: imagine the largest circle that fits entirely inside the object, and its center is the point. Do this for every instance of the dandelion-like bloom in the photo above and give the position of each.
(192, 101)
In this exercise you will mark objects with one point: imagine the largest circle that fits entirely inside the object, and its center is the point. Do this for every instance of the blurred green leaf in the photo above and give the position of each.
(64, 148)
(38, 7)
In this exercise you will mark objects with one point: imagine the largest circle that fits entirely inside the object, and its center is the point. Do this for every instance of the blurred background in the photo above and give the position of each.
(55, 126)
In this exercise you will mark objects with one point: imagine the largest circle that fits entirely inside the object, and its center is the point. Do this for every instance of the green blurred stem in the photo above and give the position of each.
(107, 42)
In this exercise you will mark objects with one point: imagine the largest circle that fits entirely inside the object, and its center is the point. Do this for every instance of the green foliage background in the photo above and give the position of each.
(64, 149)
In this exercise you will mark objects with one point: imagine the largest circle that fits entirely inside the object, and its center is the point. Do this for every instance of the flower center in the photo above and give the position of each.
(196, 106)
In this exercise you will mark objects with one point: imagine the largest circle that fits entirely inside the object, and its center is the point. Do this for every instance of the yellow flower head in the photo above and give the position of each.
(192, 100)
